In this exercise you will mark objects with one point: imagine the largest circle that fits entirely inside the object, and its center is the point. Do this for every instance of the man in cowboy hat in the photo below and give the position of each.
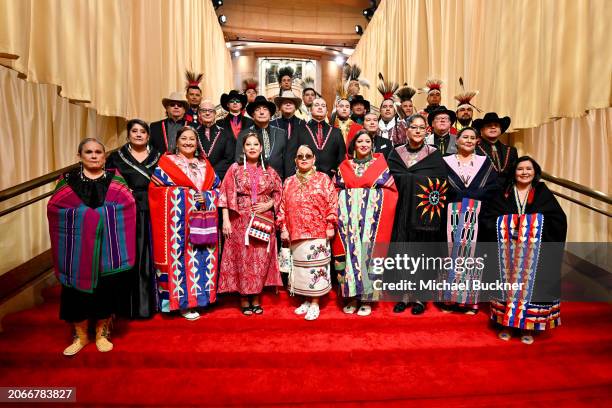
(234, 102)
(163, 132)
(490, 128)
(441, 121)
(359, 107)
(278, 151)
(325, 141)
(288, 103)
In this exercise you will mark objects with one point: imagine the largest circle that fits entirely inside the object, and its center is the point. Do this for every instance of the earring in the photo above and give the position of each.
(82, 175)
(244, 161)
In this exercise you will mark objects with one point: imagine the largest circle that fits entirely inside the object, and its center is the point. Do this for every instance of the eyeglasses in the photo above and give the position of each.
(234, 101)
(306, 156)
(418, 127)
(175, 104)
(207, 110)
(444, 119)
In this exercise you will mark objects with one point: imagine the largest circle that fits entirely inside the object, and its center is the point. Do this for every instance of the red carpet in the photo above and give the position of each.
(224, 358)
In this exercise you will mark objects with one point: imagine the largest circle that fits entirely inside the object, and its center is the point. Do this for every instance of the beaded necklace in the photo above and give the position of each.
(521, 206)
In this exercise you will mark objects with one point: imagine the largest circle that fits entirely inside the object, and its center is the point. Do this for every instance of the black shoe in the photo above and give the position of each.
(399, 307)
(418, 308)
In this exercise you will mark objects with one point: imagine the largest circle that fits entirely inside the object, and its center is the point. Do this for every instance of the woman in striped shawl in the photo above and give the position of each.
(92, 224)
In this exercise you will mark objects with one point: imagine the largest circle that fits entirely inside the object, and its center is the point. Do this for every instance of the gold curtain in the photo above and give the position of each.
(531, 60)
(119, 57)
(579, 150)
(89, 65)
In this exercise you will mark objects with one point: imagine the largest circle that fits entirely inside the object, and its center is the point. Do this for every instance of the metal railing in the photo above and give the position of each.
(28, 186)
(589, 192)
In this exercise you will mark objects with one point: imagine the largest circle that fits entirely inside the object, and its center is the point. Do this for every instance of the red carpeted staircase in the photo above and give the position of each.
(435, 359)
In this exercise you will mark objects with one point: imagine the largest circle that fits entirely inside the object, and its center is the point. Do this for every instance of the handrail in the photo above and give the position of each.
(575, 201)
(598, 195)
(34, 183)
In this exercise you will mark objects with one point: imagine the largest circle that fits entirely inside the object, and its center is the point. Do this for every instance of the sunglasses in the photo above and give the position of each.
(306, 156)
(234, 101)
(175, 104)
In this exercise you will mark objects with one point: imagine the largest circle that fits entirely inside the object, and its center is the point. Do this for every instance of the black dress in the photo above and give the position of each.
(138, 298)
(76, 306)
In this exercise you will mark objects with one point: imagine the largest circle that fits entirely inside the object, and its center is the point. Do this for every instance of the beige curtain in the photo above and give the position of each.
(40, 132)
(531, 59)
(579, 150)
(119, 57)
(88, 65)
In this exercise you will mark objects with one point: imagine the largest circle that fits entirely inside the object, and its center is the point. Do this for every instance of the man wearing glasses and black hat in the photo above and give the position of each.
(235, 121)
(441, 120)
(278, 150)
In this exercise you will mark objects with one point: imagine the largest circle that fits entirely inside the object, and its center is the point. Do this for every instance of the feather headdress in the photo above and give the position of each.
(250, 83)
(432, 84)
(193, 79)
(465, 97)
(341, 92)
(284, 71)
(387, 88)
(405, 93)
(308, 83)
(352, 73)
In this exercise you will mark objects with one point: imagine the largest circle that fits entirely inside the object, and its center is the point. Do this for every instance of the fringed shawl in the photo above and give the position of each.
(87, 243)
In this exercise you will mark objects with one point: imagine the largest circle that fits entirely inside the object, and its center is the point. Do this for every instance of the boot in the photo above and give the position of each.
(103, 328)
(80, 340)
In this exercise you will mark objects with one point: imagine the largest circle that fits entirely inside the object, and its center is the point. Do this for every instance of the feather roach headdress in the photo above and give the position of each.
(249, 83)
(405, 93)
(308, 83)
(193, 80)
(431, 85)
(465, 97)
(387, 88)
(352, 73)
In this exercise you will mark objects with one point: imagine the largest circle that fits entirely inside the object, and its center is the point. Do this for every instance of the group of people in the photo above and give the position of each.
(194, 205)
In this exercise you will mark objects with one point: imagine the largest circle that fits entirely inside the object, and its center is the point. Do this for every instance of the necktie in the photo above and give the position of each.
(319, 136)
(495, 157)
(266, 140)
(207, 133)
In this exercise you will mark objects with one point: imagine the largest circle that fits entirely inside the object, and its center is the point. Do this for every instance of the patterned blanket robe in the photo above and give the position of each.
(186, 275)
(87, 243)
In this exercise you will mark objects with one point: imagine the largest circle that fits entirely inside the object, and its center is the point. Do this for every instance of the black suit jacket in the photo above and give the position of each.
(333, 151)
(225, 123)
(158, 141)
(282, 152)
(220, 149)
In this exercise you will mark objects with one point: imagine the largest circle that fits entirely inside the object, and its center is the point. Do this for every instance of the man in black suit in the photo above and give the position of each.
(235, 121)
(218, 143)
(324, 140)
(163, 132)
(503, 157)
(278, 151)
(288, 104)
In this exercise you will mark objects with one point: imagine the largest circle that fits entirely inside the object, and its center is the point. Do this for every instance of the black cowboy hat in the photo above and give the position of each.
(439, 111)
(491, 117)
(233, 94)
(359, 99)
(259, 101)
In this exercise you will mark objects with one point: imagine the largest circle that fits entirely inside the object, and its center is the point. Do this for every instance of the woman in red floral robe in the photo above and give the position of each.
(248, 264)
(308, 216)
